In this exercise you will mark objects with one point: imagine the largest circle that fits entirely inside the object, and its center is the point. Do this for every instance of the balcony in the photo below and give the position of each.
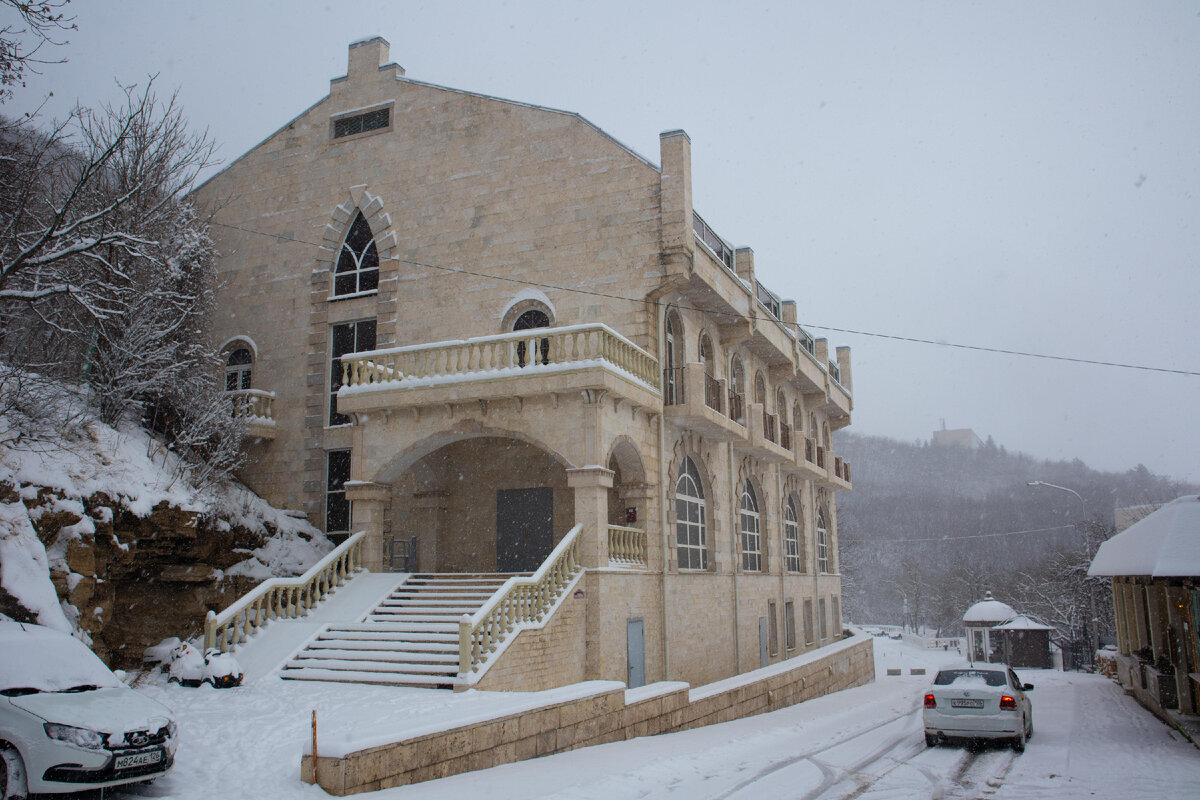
(762, 439)
(804, 461)
(523, 364)
(839, 475)
(626, 547)
(697, 404)
(258, 409)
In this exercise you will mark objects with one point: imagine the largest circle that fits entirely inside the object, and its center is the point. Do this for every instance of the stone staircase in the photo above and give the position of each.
(409, 639)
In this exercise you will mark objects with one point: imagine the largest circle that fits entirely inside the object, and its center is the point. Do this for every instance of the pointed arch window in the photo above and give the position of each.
(690, 547)
(737, 390)
(791, 537)
(239, 367)
(822, 543)
(531, 320)
(751, 526)
(357, 269)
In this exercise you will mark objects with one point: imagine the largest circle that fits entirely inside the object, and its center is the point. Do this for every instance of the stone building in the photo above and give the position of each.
(471, 326)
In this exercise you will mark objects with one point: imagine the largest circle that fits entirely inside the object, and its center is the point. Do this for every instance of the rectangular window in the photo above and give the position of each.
(337, 507)
(837, 617)
(361, 123)
(809, 638)
(352, 337)
(789, 625)
(821, 619)
(773, 627)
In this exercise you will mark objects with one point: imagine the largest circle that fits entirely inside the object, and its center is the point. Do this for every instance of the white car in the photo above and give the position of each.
(67, 723)
(980, 701)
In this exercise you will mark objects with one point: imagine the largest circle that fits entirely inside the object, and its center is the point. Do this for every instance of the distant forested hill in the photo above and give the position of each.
(931, 527)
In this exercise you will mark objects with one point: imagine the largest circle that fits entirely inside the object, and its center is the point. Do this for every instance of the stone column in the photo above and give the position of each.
(368, 507)
(591, 485)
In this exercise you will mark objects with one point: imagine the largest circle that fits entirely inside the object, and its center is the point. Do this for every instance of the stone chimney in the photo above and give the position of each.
(367, 56)
(675, 150)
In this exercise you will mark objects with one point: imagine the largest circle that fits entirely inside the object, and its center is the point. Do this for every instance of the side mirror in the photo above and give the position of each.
(1027, 687)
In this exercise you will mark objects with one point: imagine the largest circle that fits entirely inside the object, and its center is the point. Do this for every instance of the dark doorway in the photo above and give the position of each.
(524, 528)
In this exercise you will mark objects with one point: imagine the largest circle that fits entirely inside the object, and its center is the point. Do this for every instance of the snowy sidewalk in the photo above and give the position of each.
(262, 655)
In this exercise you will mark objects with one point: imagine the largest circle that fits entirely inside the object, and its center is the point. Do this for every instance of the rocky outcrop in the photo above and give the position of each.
(135, 580)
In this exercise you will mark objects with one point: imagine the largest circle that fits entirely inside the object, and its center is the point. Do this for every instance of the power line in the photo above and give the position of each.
(957, 538)
(852, 331)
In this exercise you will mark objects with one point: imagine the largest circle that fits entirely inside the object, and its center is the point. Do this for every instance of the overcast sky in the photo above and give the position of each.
(1014, 175)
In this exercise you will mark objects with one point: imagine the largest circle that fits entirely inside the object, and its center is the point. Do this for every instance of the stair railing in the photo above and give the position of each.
(520, 602)
(626, 546)
(283, 597)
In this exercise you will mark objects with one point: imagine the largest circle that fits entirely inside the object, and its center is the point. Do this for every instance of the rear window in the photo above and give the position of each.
(991, 677)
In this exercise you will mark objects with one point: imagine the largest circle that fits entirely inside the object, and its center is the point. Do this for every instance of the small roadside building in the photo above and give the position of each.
(1024, 642)
(983, 643)
(1155, 569)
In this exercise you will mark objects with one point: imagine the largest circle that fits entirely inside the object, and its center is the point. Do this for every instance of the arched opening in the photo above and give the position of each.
(674, 358)
(751, 529)
(482, 504)
(793, 544)
(712, 387)
(691, 546)
(822, 543)
(239, 367)
(533, 319)
(357, 268)
(737, 390)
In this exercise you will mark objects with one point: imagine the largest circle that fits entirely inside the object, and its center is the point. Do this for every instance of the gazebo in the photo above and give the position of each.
(982, 643)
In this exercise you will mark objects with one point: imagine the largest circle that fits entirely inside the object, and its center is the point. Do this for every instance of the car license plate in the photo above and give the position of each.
(131, 760)
(960, 702)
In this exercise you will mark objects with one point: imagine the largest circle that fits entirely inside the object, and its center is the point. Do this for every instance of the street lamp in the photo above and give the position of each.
(1088, 549)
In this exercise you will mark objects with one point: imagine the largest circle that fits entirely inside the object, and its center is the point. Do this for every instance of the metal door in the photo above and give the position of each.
(635, 647)
(524, 528)
(762, 641)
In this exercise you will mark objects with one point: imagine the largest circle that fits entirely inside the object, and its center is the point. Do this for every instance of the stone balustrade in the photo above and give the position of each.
(283, 597)
(520, 602)
(626, 547)
(488, 356)
(253, 403)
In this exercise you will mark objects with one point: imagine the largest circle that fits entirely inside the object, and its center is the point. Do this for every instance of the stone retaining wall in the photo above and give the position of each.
(606, 716)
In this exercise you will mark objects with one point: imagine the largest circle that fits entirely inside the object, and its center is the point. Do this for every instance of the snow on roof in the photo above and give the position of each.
(1021, 622)
(989, 610)
(1163, 544)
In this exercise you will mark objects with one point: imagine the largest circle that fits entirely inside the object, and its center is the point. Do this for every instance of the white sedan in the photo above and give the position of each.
(67, 723)
(980, 701)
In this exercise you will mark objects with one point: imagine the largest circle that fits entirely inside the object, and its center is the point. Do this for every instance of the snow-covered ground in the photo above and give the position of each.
(1090, 741)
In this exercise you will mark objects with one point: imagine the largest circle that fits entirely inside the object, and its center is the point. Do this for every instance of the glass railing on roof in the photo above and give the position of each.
(806, 341)
(770, 301)
(709, 238)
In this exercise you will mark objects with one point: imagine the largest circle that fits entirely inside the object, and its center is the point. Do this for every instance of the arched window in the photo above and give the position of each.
(691, 550)
(532, 320)
(357, 268)
(791, 537)
(712, 387)
(751, 526)
(760, 389)
(673, 353)
(737, 390)
(822, 543)
(798, 418)
(238, 368)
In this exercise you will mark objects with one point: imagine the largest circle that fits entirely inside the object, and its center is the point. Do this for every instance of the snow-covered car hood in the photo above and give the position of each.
(110, 710)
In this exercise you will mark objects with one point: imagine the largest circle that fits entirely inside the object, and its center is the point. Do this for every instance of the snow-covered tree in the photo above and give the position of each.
(37, 24)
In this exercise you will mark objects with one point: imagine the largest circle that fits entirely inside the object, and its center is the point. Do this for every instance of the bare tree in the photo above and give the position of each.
(40, 23)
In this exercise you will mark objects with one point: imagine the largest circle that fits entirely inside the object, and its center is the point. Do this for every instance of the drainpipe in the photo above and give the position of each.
(662, 513)
(781, 557)
(733, 562)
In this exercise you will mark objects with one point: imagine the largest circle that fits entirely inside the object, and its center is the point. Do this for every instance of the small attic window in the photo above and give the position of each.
(361, 123)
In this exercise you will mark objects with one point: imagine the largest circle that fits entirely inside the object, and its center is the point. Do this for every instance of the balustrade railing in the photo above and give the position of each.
(252, 403)
(712, 393)
(672, 386)
(283, 597)
(626, 546)
(576, 344)
(519, 602)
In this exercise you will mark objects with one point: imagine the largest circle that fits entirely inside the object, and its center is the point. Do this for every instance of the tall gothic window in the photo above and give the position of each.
(751, 525)
(351, 337)
(822, 543)
(357, 268)
(791, 537)
(691, 550)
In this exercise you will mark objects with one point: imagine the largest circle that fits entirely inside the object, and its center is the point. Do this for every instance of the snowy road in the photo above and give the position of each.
(1090, 741)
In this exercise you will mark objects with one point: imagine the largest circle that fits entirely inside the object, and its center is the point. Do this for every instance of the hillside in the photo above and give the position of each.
(936, 526)
(106, 534)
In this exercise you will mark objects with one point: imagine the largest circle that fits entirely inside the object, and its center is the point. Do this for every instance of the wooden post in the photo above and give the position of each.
(316, 782)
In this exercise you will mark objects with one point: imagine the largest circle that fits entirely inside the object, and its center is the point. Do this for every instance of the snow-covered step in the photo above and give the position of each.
(384, 644)
(334, 654)
(386, 679)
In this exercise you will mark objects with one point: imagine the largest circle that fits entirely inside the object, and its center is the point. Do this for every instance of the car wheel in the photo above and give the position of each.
(12, 775)
(1018, 744)
(931, 740)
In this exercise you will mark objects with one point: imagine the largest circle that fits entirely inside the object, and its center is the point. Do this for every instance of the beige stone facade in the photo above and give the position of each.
(531, 329)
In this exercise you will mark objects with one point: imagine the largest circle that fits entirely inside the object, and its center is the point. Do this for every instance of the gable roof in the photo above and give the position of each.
(1165, 544)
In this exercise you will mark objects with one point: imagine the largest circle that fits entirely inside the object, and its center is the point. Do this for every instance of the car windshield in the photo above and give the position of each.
(989, 676)
(41, 660)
